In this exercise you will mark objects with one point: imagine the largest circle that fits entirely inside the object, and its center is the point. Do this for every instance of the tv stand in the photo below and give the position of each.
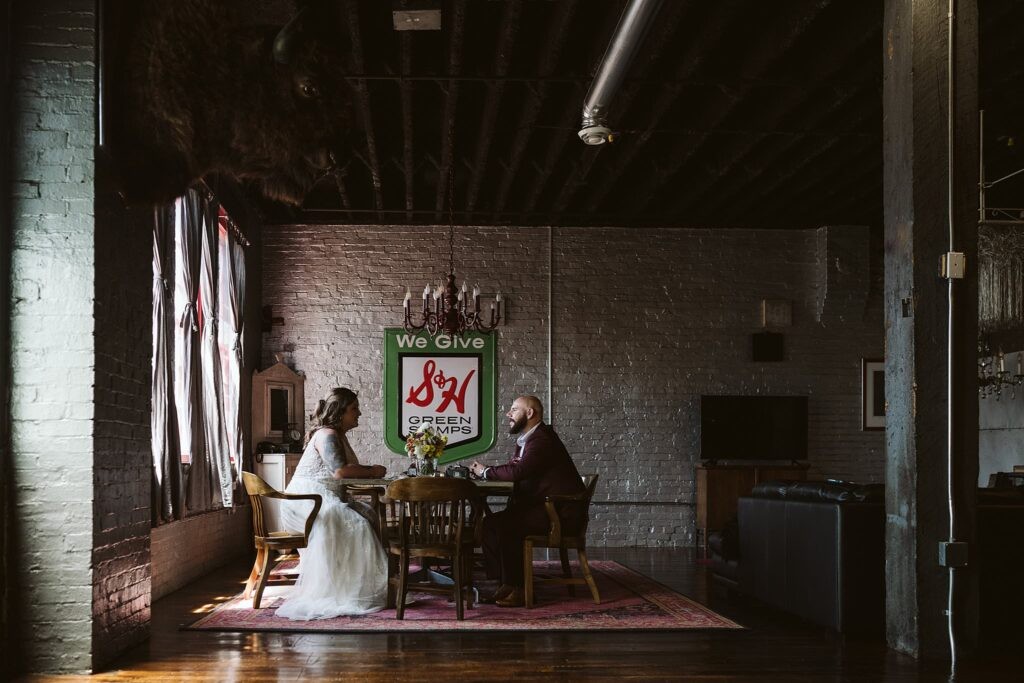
(719, 488)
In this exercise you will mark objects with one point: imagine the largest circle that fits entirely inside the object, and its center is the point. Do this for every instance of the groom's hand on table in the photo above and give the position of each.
(477, 470)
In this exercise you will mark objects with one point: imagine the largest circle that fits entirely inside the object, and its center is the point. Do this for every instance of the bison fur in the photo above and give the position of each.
(195, 89)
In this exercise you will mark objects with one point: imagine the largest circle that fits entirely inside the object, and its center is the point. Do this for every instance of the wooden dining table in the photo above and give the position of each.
(376, 489)
(487, 488)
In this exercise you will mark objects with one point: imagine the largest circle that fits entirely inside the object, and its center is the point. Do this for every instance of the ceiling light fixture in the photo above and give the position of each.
(634, 23)
(447, 308)
(993, 377)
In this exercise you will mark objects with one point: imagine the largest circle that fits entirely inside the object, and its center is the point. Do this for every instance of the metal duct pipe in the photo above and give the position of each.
(633, 25)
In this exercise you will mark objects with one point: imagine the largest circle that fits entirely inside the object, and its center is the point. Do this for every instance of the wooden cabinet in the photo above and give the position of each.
(276, 469)
(719, 488)
(278, 394)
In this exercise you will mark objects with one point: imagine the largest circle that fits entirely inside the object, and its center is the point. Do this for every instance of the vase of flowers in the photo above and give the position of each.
(426, 446)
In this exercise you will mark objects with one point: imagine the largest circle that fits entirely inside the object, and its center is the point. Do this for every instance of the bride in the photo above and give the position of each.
(344, 568)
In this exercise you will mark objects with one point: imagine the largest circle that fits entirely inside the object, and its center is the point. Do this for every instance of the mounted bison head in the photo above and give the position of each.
(194, 90)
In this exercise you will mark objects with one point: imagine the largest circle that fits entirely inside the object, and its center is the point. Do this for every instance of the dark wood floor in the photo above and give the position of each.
(774, 648)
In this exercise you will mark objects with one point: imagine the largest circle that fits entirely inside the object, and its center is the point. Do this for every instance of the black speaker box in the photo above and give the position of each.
(767, 347)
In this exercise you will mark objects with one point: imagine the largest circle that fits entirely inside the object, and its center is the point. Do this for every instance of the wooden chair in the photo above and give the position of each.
(556, 539)
(437, 518)
(267, 542)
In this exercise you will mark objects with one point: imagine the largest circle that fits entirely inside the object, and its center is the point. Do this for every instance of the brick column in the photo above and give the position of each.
(79, 362)
(916, 234)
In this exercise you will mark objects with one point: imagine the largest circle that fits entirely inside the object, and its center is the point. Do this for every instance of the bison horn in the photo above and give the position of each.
(283, 43)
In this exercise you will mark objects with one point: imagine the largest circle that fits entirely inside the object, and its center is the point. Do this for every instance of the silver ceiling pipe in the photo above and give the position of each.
(633, 25)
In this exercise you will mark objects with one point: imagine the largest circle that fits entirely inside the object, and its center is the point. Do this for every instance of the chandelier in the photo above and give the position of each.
(993, 377)
(447, 308)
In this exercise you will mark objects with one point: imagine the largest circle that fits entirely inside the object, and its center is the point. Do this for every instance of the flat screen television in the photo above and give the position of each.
(753, 428)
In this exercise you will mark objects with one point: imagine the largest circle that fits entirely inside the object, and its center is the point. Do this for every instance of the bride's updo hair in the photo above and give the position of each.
(330, 409)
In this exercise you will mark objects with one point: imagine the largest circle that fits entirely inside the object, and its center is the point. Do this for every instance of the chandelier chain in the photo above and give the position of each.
(451, 217)
(449, 309)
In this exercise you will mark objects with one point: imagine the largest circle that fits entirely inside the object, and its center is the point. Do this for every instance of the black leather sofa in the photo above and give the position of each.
(816, 550)
(724, 555)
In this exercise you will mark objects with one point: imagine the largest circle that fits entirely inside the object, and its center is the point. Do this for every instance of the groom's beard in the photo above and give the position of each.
(517, 426)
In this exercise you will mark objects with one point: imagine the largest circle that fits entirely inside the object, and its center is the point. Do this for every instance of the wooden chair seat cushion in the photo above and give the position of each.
(282, 539)
(572, 542)
(427, 550)
(275, 535)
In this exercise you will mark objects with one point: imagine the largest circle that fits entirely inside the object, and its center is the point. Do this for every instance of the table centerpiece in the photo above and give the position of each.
(426, 445)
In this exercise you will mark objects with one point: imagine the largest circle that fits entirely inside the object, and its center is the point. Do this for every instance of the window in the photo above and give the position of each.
(230, 293)
(208, 295)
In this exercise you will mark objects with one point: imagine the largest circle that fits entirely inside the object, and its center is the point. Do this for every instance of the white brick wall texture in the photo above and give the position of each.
(80, 291)
(52, 329)
(643, 322)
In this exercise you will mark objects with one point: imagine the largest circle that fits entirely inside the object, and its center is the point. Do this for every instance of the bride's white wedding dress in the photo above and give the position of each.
(344, 569)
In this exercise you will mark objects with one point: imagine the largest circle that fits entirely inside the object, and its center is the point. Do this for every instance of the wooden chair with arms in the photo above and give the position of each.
(556, 538)
(437, 518)
(269, 541)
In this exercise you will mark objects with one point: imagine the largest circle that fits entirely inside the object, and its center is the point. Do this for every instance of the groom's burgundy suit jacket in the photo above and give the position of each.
(542, 468)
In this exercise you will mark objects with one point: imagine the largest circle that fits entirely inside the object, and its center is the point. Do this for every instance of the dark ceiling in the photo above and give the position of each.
(735, 114)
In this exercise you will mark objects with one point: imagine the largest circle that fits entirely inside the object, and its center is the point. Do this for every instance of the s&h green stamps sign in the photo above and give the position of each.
(445, 381)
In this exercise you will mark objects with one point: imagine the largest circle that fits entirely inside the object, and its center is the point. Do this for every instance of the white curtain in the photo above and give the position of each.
(167, 488)
(232, 284)
(213, 422)
(188, 389)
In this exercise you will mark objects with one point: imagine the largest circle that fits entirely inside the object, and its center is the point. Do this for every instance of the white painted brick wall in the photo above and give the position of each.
(80, 336)
(643, 321)
(52, 329)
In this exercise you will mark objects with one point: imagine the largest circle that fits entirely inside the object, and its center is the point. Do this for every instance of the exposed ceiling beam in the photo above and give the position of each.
(363, 98)
(554, 41)
(408, 129)
(451, 100)
(564, 129)
(810, 156)
(757, 161)
(724, 14)
(339, 183)
(774, 116)
(479, 217)
(656, 43)
(503, 53)
(775, 43)
(849, 173)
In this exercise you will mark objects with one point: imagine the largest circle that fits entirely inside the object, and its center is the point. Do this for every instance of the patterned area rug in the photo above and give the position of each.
(629, 601)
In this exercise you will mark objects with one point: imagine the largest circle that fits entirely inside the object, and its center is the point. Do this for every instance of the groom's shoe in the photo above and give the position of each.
(513, 599)
(500, 594)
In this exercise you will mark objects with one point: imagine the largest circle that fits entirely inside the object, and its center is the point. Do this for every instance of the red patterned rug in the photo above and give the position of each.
(629, 601)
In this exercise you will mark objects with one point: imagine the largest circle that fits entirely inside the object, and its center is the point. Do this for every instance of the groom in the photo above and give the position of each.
(539, 467)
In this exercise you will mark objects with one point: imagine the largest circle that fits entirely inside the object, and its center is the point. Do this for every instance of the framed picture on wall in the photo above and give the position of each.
(872, 393)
